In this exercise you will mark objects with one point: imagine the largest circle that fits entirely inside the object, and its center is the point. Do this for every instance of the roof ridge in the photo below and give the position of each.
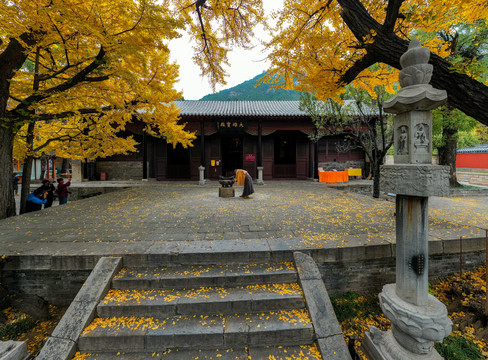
(280, 108)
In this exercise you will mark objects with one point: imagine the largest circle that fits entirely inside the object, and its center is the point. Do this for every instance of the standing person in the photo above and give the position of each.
(35, 200)
(63, 191)
(243, 178)
(16, 184)
(49, 188)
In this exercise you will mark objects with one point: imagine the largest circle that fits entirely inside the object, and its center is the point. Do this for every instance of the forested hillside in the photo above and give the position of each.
(249, 91)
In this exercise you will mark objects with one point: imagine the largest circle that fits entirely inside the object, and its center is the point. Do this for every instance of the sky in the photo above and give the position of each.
(244, 64)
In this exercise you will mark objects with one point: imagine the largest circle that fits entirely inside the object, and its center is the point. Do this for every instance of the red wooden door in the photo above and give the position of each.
(214, 160)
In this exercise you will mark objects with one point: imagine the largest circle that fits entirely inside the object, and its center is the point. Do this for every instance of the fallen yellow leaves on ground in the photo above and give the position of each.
(21, 327)
(464, 297)
(137, 296)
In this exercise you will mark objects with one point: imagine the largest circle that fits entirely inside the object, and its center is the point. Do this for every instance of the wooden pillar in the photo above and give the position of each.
(144, 155)
(260, 143)
(310, 160)
(316, 159)
(202, 143)
(152, 158)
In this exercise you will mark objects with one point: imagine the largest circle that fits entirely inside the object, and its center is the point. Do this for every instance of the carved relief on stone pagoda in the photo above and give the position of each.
(421, 138)
(402, 142)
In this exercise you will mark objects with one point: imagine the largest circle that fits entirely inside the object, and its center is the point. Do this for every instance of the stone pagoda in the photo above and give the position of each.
(417, 318)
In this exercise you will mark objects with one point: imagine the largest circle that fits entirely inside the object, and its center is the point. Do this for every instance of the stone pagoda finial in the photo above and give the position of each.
(416, 93)
(414, 62)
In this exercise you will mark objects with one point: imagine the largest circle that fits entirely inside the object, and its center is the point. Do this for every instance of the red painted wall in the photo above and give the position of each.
(472, 161)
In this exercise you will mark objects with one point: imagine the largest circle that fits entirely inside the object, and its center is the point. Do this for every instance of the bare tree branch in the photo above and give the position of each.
(15, 98)
(81, 76)
(392, 14)
(14, 55)
(198, 6)
(65, 137)
(62, 39)
(84, 111)
(46, 77)
(358, 19)
(365, 62)
(136, 23)
(96, 78)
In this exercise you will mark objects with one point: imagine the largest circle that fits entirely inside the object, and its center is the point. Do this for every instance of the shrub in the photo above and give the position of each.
(455, 347)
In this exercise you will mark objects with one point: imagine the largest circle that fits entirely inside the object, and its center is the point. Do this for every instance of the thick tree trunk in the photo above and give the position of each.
(7, 200)
(27, 168)
(464, 93)
(447, 154)
(376, 177)
(26, 182)
(11, 59)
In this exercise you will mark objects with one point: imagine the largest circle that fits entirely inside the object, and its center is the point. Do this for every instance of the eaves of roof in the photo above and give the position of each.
(240, 108)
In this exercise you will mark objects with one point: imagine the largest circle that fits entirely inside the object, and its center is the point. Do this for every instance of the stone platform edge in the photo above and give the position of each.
(61, 345)
(264, 250)
(330, 339)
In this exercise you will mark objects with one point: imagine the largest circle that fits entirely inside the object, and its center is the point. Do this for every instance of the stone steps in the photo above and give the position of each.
(205, 300)
(236, 311)
(309, 352)
(180, 277)
(141, 334)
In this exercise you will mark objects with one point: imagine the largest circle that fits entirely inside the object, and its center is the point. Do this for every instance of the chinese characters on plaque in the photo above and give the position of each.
(231, 125)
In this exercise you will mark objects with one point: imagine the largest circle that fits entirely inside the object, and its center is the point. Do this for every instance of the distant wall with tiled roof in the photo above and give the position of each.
(475, 157)
(483, 148)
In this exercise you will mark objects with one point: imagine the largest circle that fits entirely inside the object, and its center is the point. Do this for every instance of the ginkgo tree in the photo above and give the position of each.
(324, 44)
(110, 57)
(468, 51)
(100, 65)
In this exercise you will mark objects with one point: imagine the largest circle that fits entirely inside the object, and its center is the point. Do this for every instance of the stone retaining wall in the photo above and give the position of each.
(460, 192)
(57, 287)
(363, 269)
(84, 192)
(80, 193)
(120, 170)
(473, 178)
(341, 165)
(369, 276)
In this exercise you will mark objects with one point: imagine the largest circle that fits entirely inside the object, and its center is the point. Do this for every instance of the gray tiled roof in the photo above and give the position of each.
(253, 108)
(483, 148)
(240, 108)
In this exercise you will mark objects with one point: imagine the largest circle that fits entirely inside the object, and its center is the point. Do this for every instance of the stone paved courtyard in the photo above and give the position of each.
(300, 214)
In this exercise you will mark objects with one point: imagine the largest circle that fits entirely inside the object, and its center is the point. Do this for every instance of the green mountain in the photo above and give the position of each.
(249, 91)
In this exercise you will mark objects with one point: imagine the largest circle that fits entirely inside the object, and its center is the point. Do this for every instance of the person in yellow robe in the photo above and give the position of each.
(243, 178)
